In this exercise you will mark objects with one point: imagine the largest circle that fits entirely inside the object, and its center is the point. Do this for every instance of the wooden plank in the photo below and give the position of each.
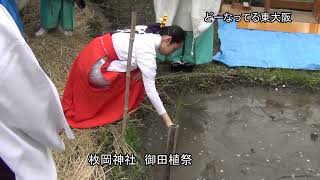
(171, 147)
(288, 5)
(267, 5)
(291, 5)
(294, 27)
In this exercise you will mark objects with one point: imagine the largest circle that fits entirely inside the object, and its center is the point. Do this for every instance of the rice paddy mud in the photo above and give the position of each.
(244, 134)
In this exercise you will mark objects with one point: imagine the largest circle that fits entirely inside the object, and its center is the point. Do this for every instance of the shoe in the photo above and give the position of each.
(188, 67)
(67, 33)
(41, 32)
(176, 66)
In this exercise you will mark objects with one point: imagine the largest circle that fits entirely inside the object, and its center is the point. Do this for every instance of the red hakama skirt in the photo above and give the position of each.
(86, 106)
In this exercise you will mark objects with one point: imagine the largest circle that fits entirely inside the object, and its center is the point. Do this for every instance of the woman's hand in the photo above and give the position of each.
(166, 119)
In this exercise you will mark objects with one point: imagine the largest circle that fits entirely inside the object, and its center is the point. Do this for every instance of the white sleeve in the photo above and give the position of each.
(147, 65)
(36, 109)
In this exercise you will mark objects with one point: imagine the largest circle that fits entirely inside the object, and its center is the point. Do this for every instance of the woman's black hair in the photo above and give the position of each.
(176, 32)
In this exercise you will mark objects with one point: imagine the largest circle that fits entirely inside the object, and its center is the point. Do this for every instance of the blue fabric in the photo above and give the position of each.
(11, 7)
(266, 49)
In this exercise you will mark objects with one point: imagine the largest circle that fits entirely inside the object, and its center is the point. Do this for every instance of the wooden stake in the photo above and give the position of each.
(126, 100)
(171, 148)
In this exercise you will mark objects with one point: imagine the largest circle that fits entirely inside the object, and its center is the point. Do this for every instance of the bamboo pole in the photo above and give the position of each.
(126, 100)
(171, 147)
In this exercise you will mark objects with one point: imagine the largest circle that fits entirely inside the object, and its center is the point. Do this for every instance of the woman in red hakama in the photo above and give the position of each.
(88, 106)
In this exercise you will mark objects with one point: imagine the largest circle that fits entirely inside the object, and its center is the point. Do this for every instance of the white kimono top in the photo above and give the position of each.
(188, 14)
(143, 57)
(30, 110)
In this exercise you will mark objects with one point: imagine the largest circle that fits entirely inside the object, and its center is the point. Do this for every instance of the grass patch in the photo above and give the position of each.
(134, 137)
(205, 76)
(131, 173)
(308, 79)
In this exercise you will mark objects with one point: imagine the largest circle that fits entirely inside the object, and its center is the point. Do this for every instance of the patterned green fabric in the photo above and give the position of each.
(202, 50)
(54, 12)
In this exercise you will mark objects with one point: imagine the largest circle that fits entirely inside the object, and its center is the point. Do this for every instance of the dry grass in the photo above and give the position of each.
(55, 54)
(73, 164)
(119, 11)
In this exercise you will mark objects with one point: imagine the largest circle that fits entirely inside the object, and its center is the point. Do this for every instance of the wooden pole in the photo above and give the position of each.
(171, 147)
(126, 97)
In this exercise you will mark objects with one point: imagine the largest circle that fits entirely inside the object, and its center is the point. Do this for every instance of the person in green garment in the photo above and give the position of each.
(192, 54)
(57, 13)
(189, 14)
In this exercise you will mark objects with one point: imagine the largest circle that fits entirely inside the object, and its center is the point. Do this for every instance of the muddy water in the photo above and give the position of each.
(245, 134)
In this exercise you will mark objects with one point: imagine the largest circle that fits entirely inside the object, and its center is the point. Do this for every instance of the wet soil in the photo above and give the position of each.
(243, 134)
